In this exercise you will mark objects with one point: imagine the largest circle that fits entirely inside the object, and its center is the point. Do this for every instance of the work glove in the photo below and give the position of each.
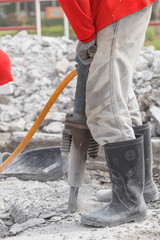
(86, 51)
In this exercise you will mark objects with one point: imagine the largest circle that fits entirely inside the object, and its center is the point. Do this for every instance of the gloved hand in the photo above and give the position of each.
(82, 51)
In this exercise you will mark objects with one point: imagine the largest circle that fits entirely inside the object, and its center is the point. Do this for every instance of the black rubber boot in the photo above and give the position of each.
(150, 189)
(125, 161)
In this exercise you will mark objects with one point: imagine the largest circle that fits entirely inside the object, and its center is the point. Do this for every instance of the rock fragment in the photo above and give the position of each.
(3, 229)
(16, 228)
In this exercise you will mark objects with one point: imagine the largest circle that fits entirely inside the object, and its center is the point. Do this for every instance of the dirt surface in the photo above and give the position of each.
(48, 201)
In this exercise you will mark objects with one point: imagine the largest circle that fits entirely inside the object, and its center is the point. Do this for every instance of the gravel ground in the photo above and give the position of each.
(50, 198)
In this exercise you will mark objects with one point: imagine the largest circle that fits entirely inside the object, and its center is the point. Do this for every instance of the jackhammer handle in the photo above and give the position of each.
(92, 51)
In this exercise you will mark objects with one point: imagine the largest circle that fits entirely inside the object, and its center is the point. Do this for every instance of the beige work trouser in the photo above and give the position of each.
(111, 105)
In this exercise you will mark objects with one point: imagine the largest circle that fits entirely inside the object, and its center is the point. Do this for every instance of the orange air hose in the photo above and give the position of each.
(39, 120)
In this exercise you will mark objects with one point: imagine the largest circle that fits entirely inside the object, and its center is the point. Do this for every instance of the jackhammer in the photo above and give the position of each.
(77, 140)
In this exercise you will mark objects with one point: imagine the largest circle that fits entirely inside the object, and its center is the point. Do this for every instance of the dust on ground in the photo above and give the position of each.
(50, 199)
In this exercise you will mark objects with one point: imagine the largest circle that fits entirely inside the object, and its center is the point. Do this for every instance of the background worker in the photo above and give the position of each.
(5, 68)
(118, 29)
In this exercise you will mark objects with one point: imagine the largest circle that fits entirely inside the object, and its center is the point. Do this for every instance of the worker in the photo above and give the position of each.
(5, 68)
(117, 28)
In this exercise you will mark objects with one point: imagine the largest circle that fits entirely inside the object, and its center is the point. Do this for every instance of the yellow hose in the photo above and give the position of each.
(39, 120)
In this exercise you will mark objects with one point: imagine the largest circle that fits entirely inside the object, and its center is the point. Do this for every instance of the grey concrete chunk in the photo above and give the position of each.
(3, 229)
(54, 116)
(155, 114)
(142, 64)
(54, 127)
(16, 228)
(33, 212)
(62, 66)
(17, 213)
(6, 89)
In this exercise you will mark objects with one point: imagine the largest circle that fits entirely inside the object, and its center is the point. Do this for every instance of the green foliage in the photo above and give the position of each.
(10, 21)
(153, 37)
(9, 8)
(50, 27)
(55, 30)
(30, 21)
(45, 22)
(52, 22)
(150, 34)
(12, 33)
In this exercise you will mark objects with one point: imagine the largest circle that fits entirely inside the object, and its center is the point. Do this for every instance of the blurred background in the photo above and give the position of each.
(23, 15)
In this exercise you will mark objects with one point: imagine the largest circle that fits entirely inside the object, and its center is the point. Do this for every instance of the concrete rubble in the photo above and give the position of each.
(36, 210)
(17, 228)
(38, 67)
(3, 229)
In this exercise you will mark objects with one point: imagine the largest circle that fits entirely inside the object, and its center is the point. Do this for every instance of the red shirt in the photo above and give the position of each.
(5, 68)
(87, 17)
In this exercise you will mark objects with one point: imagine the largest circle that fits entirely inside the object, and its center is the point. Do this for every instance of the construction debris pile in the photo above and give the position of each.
(147, 87)
(37, 210)
(38, 66)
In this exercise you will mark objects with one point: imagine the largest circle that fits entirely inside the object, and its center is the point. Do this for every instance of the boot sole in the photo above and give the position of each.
(151, 198)
(148, 198)
(136, 218)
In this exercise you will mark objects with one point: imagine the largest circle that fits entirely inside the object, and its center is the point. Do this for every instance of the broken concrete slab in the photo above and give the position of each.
(6, 89)
(5, 140)
(54, 127)
(38, 137)
(20, 214)
(33, 212)
(9, 141)
(54, 116)
(6, 218)
(3, 229)
(62, 66)
(17, 125)
(17, 214)
(154, 112)
(16, 228)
